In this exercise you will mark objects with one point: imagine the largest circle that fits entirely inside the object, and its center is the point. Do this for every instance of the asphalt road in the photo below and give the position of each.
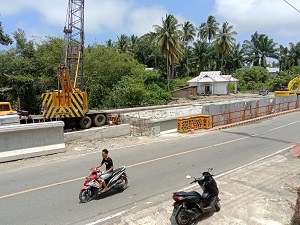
(48, 193)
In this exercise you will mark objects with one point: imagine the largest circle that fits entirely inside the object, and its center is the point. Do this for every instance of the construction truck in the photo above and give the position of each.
(292, 89)
(6, 109)
(70, 103)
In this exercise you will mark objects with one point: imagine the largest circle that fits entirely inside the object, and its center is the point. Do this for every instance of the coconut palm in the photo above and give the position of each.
(201, 55)
(224, 40)
(209, 29)
(251, 50)
(168, 43)
(188, 31)
(237, 55)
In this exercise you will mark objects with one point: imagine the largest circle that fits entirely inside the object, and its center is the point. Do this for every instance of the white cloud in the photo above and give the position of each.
(141, 20)
(117, 16)
(260, 15)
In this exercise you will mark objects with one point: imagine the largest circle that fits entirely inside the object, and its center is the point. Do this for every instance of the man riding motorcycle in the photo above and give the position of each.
(109, 169)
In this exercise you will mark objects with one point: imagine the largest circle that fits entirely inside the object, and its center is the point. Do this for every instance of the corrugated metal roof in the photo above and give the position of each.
(212, 76)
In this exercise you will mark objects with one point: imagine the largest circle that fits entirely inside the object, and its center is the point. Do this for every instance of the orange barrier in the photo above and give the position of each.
(251, 113)
(199, 122)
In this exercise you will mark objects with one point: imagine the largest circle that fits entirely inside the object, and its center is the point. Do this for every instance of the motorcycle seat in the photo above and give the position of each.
(191, 193)
(192, 196)
(117, 170)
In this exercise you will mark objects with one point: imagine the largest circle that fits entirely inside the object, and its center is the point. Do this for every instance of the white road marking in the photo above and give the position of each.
(110, 217)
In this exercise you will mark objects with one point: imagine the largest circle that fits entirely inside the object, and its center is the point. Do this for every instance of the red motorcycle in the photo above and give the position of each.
(91, 187)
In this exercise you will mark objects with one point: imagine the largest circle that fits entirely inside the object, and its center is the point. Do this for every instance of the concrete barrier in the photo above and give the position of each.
(98, 133)
(253, 108)
(30, 140)
(9, 120)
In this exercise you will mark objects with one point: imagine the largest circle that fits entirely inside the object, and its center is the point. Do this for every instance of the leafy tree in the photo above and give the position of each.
(118, 80)
(252, 78)
(147, 52)
(4, 38)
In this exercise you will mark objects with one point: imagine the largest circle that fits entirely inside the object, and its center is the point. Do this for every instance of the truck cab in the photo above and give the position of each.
(6, 109)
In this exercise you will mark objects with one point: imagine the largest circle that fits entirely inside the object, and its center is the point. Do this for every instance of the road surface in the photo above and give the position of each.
(48, 193)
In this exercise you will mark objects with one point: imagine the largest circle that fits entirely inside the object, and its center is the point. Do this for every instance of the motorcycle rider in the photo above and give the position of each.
(108, 171)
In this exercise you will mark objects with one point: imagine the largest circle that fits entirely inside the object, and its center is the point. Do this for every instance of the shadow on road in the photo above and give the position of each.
(201, 218)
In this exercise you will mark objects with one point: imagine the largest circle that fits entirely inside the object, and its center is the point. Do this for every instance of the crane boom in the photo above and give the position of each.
(72, 55)
(70, 103)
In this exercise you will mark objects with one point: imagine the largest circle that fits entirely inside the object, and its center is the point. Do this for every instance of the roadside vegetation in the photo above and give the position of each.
(115, 73)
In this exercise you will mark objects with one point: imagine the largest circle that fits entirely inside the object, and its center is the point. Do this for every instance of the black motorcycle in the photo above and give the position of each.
(189, 206)
(91, 188)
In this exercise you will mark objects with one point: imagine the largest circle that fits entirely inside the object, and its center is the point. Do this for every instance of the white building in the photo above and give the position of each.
(213, 82)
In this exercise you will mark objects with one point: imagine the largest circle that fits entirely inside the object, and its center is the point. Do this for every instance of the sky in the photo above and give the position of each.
(108, 19)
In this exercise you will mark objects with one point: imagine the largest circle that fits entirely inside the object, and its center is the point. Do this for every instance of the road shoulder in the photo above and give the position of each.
(260, 193)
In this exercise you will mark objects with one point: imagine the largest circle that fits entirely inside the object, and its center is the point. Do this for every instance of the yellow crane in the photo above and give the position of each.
(292, 89)
(70, 103)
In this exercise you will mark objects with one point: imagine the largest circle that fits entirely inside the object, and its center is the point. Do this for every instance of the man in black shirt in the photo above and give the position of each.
(108, 170)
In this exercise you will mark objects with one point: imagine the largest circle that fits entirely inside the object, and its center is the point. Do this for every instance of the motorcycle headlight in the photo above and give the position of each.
(87, 177)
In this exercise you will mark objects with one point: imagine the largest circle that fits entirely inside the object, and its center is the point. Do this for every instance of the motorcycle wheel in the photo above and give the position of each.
(124, 183)
(218, 206)
(85, 195)
(182, 219)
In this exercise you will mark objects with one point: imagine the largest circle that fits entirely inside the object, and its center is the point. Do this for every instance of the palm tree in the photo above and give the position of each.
(201, 55)
(224, 40)
(251, 50)
(202, 32)
(259, 48)
(283, 58)
(123, 43)
(110, 43)
(237, 55)
(188, 36)
(209, 29)
(168, 43)
(294, 54)
(267, 48)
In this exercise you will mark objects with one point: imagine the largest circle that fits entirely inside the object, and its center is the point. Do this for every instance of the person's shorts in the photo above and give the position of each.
(105, 176)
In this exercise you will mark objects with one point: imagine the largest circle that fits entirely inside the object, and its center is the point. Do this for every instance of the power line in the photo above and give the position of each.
(292, 6)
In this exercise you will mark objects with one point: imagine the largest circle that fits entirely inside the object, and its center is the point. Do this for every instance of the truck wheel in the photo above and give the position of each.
(99, 120)
(85, 122)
